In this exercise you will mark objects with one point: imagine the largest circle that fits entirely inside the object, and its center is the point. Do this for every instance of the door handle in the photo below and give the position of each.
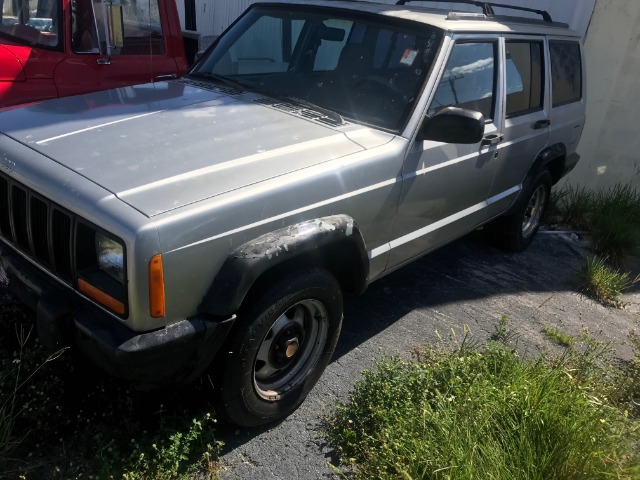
(160, 78)
(492, 139)
(541, 124)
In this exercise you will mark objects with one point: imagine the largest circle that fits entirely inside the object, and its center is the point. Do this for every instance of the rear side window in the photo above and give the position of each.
(566, 72)
(524, 77)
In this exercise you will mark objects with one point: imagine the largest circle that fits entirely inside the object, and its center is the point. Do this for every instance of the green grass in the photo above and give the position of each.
(570, 205)
(60, 419)
(484, 414)
(615, 222)
(558, 337)
(611, 216)
(603, 282)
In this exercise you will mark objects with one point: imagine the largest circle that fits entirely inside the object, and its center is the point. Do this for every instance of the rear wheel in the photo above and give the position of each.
(515, 231)
(282, 343)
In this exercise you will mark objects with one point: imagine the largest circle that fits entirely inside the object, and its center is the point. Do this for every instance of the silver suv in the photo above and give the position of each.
(213, 223)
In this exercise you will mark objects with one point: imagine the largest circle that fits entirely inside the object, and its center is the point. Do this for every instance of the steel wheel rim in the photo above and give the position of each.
(290, 349)
(533, 212)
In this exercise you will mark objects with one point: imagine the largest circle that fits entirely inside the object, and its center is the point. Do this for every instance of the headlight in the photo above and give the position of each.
(101, 267)
(110, 255)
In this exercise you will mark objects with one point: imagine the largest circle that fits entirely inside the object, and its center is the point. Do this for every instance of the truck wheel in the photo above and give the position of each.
(283, 341)
(516, 230)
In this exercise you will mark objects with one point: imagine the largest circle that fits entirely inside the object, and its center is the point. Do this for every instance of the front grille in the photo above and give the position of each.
(37, 227)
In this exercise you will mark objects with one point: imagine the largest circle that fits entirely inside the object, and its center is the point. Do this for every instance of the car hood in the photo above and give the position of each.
(166, 145)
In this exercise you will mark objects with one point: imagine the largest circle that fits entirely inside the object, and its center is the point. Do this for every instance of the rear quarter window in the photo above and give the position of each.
(566, 72)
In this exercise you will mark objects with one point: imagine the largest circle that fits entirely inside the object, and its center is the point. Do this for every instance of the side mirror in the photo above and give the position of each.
(115, 30)
(116, 25)
(453, 125)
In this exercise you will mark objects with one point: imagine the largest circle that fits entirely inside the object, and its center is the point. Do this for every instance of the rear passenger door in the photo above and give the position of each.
(567, 93)
(526, 115)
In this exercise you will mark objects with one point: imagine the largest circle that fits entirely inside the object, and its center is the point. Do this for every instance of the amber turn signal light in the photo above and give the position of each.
(156, 287)
(101, 297)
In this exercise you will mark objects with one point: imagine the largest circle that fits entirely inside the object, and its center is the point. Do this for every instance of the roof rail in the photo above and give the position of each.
(487, 7)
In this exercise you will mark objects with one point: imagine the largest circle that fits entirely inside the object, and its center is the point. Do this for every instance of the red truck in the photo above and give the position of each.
(56, 48)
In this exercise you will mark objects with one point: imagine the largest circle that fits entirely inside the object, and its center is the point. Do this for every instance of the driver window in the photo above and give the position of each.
(469, 80)
(141, 22)
(84, 37)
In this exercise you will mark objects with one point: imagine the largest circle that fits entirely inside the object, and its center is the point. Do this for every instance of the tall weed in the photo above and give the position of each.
(611, 215)
(603, 282)
(15, 375)
(482, 414)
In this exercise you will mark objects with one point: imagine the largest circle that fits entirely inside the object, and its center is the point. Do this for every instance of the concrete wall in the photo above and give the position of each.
(610, 144)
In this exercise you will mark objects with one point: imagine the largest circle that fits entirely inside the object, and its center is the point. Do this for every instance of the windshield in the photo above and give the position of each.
(33, 22)
(367, 69)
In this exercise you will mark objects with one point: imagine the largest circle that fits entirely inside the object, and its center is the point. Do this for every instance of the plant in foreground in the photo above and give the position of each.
(14, 376)
(178, 450)
(77, 423)
(480, 414)
(602, 282)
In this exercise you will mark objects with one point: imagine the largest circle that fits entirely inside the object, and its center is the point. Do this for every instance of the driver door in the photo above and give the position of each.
(139, 56)
(445, 187)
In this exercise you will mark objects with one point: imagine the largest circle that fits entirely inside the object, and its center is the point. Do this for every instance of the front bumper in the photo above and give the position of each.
(175, 354)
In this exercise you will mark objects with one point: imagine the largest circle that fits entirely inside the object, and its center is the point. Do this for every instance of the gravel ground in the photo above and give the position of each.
(465, 283)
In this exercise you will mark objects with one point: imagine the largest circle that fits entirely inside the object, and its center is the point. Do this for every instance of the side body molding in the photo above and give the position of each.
(334, 242)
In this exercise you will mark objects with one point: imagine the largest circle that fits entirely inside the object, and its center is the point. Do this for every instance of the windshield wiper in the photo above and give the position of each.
(301, 102)
(219, 78)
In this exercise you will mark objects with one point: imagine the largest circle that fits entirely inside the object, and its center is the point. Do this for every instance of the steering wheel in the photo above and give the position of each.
(381, 98)
(382, 84)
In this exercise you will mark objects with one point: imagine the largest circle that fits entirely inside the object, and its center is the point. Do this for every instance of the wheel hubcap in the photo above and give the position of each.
(533, 213)
(290, 349)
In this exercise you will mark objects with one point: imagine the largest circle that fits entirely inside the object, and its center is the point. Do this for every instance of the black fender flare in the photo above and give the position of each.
(317, 237)
(545, 157)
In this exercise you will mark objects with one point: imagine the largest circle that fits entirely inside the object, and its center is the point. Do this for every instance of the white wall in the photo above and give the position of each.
(610, 144)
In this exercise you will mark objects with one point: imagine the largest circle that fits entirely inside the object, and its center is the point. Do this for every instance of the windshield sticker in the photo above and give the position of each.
(408, 57)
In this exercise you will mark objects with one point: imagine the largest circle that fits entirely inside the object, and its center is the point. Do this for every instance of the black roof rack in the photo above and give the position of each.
(487, 7)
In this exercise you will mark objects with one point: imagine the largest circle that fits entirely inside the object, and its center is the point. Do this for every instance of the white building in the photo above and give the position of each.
(610, 145)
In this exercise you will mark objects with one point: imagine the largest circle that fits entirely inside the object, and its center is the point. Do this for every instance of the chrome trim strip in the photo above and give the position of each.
(294, 212)
(384, 248)
(441, 223)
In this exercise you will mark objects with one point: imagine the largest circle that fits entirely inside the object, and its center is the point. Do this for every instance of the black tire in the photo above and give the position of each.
(281, 344)
(516, 230)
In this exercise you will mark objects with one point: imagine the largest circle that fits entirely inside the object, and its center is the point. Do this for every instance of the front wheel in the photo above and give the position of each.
(515, 231)
(282, 343)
